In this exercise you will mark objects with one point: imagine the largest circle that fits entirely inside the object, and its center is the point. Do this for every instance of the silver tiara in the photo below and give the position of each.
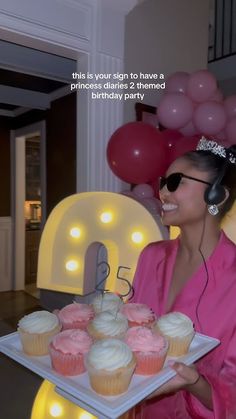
(215, 148)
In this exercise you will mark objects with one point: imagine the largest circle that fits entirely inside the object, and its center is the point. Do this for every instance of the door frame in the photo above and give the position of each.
(18, 138)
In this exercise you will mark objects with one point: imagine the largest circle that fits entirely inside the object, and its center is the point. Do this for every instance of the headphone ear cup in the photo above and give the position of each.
(214, 194)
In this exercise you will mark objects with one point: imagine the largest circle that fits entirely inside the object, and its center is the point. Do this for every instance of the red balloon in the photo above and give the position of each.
(170, 136)
(182, 146)
(135, 153)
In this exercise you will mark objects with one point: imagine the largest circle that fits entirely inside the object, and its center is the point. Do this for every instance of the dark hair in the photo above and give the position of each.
(212, 163)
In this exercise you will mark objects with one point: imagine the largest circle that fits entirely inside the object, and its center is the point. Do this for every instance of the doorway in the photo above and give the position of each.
(23, 215)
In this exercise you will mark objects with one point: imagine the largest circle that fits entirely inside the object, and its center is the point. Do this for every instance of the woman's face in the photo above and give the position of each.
(186, 205)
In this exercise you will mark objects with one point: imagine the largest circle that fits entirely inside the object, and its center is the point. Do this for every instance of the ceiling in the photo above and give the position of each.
(31, 79)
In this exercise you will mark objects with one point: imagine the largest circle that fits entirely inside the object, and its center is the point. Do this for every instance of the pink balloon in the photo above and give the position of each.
(201, 86)
(183, 145)
(175, 110)
(209, 118)
(189, 129)
(230, 106)
(143, 191)
(217, 96)
(135, 153)
(230, 130)
(177, 82)
(128, 193)
(221, 135)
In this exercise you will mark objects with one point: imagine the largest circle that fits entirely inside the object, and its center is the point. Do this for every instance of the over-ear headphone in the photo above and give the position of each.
(215, 193)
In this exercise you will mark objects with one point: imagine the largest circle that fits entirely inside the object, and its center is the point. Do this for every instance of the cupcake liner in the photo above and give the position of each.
(148, 324)
(77, 324)
(37, 344)
(98, 335)
(178, 346)
(150, 362)
(66, 364)
(111, 383)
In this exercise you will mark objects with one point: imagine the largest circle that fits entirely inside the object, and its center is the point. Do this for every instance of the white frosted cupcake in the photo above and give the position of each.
(108, 325)
(110, 364)
(36, 331)
(107, 302)
(178, 329)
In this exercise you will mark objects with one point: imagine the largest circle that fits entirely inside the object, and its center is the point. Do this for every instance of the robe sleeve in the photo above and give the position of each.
(223, 385)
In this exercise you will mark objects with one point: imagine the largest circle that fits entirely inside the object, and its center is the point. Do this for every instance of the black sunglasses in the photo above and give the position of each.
(172, 181)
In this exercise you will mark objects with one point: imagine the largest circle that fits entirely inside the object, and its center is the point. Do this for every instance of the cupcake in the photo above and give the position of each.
(75, 316)
(110, 364)
(178, 329)
(67, 351)
(108, 325)
(149, 348)
(138, 314)
(107, 302)
(36, 331)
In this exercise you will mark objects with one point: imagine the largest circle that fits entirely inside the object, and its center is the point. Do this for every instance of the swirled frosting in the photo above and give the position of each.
(110, 324)
(109, 354)
(145, 340)
(72, 341)
(75, 312)
(106, 302)
(137, 312)
(39, 322)
(175, 324)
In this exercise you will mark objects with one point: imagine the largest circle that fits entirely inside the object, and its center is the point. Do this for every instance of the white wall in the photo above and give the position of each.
(164, 37)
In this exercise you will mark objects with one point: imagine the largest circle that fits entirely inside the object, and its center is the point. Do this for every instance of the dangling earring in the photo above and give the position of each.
(213, 209)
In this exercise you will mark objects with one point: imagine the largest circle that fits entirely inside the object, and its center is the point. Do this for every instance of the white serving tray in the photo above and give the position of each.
(78, 390)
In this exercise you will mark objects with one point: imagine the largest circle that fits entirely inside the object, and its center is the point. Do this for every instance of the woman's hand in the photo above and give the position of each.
(185, 377)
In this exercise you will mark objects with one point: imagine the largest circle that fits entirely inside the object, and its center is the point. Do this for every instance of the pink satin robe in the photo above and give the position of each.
(217, 315)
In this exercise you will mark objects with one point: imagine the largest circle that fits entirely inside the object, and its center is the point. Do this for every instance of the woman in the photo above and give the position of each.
(196, 275)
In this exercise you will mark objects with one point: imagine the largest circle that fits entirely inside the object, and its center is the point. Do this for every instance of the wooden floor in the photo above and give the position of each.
(14, 305)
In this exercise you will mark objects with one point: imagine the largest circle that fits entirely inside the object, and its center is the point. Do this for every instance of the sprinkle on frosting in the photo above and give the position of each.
(137, 312)
(72, 341)
(76, 312)
(142, 339)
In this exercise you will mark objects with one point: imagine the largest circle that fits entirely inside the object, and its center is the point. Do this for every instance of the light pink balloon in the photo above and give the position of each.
(230, 130)
(175, 110)
(201, 86)
(177, 82)
(230, 106)
(209, 118)
(217, 96)
(143, 190)
(189, 129)
(153, 205)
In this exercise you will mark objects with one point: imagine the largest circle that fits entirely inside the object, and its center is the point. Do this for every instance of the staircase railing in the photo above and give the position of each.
(222, 29)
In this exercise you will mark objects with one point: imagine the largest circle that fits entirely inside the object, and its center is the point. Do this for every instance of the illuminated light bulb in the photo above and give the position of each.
(106, 217)
(56, 410)
(85, 415)
(137, 237)
(75, 232)
(72, 265)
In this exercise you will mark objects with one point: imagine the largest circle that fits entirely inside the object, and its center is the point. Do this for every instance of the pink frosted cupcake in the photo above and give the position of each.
(75, 316)
(149, 348)
(67, 351)
(138, 314)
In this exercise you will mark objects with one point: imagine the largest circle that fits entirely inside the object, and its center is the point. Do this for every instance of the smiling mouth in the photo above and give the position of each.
(169, 207)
